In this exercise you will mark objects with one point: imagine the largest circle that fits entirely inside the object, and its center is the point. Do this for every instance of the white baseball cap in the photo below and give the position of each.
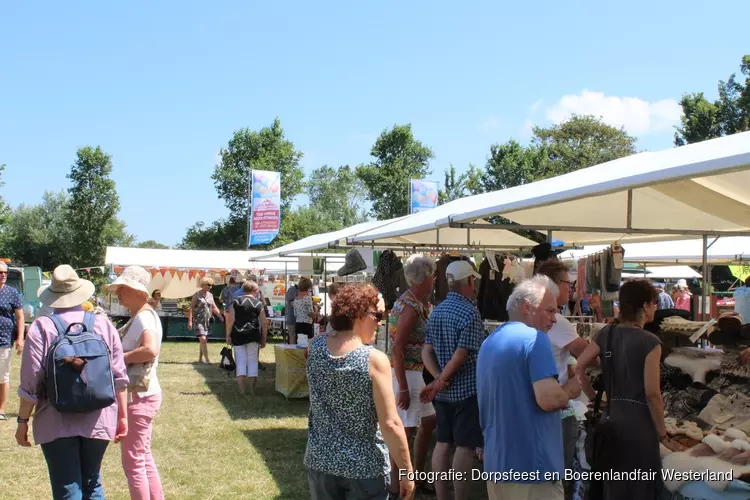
(459, 270)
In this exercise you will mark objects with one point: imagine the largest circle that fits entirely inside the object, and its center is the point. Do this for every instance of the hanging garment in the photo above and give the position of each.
(389, 278)
(493, 292)
(614, 268)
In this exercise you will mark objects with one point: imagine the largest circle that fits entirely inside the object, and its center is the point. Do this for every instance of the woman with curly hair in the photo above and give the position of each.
(352, 406)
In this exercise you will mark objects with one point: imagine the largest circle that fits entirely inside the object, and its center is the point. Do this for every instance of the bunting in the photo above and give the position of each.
(191, 275)
(201, 274)
(180, 274)
(118, 270)
(154, 272)
(163, 272)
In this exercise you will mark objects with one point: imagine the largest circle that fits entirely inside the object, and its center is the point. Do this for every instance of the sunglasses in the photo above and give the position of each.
(377, 315)
(3, 272)
(569, 283)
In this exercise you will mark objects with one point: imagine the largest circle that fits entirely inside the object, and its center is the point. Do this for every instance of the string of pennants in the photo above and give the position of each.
(193, 273)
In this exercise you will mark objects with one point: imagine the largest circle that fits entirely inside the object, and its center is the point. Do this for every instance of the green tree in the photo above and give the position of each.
(580, 142)
(151, 244)
(511, 164)
(730, 113)
(454, 186)
(40, 235)
(223, 234)
(398, 157)
(93, 206)
(303, 222)
(337, 194)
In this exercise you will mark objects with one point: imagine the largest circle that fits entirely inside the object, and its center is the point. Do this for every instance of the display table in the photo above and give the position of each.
(291, 371)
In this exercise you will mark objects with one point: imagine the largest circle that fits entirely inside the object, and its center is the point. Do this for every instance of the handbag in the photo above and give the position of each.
(227, 361)
(599, 429)
(139, 374)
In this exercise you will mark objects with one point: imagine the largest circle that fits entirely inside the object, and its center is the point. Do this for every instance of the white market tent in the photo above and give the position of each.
(689, 252)
(694, 190)
(664, 273)
(173, 286)
(435, 238)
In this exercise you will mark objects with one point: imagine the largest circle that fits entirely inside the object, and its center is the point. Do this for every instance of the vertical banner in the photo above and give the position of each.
(265, 200)
(423, 195)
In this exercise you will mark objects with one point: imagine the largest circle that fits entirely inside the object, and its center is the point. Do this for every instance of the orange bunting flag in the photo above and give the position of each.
(154, 272)
(118, 270)
(191, 275)
(180, 274)
(201, 274)
(223, 274)
(163, 272)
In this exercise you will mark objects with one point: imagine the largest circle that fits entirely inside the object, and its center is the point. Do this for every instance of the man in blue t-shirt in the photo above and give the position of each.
(520, 399)
(11, 320)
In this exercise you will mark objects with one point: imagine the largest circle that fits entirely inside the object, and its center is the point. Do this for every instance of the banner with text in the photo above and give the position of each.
(423, 195)
(265, 199)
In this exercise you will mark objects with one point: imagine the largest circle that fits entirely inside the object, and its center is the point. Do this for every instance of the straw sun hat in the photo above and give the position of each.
(134, 277)
(66, 290)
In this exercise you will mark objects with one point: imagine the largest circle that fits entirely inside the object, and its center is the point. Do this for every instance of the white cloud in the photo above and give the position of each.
(534, 107)
(639, 117)
(490, 123)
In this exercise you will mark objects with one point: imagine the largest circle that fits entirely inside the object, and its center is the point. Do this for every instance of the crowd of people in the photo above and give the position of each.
(506, 399)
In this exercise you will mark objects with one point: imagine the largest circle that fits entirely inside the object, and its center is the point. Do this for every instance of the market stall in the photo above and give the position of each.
(682, 193)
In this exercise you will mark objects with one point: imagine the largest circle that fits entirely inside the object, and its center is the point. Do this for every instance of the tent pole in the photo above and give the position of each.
(630, 209)
(706, 278)
(549, 236)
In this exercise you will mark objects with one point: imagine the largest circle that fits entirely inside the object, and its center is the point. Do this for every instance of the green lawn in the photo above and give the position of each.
(208, 441)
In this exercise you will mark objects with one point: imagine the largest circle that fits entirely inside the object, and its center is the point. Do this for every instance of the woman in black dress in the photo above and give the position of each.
(630, 359)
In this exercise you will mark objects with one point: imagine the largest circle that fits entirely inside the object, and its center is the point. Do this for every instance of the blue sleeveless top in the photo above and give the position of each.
(343, 437)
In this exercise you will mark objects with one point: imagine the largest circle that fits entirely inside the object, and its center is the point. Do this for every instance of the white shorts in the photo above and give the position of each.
(417, 410)
(5, 355)
(246, 359)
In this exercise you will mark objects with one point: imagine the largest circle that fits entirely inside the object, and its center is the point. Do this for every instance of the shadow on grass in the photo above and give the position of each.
(267, 403)
(283, 452)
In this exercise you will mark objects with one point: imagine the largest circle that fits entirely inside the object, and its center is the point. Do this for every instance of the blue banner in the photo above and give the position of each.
(265, 199)
(423, 195)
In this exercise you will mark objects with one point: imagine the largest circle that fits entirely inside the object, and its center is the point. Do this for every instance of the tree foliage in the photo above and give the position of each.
(580, 142)
(93, 207)
(511, 164)
(729, 114)
(248, 150)
(41, 235)
(338, 195)
(398, 157)
(151, 244)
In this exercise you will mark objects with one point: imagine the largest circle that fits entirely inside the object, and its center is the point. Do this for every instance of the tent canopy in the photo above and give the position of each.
(652, 196)
(664, 273)
(204, 259)
(320, 241)
(691, 190)
(690, 252)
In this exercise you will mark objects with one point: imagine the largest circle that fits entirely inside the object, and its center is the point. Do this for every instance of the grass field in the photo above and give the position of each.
(208, 441)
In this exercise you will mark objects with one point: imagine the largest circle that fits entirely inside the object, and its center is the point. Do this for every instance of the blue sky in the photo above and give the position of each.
(162, 85)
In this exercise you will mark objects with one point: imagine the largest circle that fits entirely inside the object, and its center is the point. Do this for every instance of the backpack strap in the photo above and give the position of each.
(60, 325)
(88, 321)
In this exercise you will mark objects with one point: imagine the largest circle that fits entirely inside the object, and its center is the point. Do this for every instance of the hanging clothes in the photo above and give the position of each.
(389, 278)
(494, 290)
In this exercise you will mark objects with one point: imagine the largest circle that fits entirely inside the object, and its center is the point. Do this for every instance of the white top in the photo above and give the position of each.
(146, 320)
(562, 333)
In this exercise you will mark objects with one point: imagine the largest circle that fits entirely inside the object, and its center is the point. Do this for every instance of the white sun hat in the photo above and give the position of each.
(134, 277)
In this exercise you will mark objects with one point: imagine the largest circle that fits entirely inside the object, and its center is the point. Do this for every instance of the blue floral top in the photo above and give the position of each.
(344, 437)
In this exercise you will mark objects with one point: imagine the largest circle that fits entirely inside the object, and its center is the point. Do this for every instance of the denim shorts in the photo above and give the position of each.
(328, 487)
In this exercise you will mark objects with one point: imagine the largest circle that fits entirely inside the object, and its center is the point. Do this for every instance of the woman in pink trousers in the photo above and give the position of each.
(141, 342)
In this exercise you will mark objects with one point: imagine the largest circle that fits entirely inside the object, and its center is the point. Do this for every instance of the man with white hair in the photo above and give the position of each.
(520, 399)
(11, 318)
(453, 336)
